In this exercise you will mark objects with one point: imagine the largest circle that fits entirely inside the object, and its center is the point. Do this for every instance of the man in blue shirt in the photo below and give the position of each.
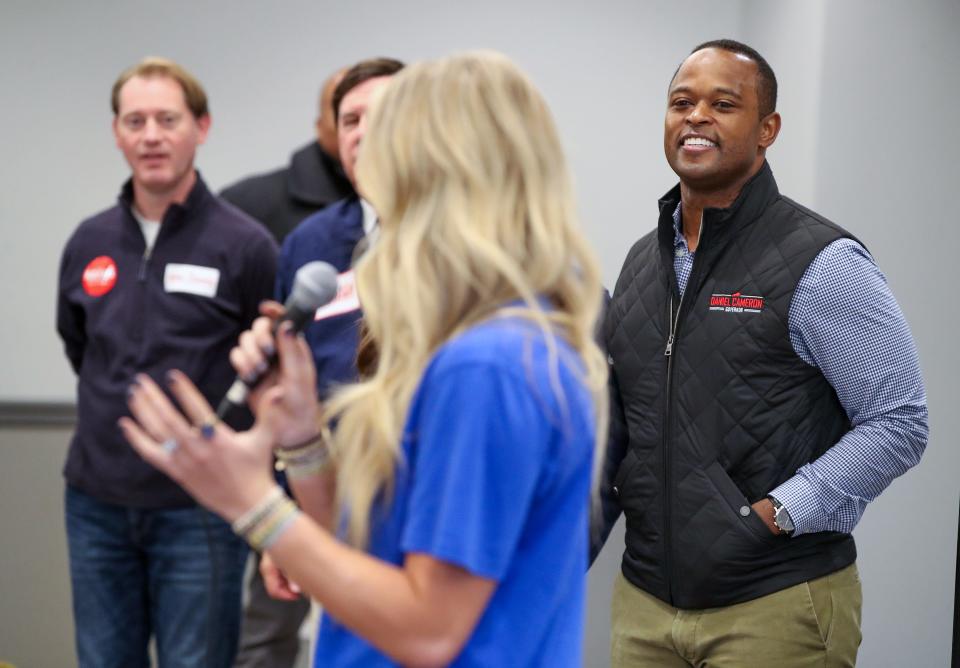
(339, 233)
(767, 387)
(336, 235)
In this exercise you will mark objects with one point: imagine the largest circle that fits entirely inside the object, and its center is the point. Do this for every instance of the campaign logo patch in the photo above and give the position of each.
(99, 276)
(736, 303)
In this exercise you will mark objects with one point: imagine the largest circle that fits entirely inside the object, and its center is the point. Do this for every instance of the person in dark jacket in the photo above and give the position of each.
(338, 234)
(281, 200)
(766, 389)
(168, 277)
(314, 178)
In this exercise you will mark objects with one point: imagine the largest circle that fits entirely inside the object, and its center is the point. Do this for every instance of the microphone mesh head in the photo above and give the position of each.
(314, 284)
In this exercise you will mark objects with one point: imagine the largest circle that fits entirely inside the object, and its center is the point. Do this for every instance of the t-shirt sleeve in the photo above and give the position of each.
(479, 455)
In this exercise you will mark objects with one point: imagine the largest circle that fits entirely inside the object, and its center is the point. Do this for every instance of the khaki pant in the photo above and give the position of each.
(815, 623)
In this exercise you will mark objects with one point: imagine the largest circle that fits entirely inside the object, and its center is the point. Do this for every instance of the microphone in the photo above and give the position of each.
(314, 285)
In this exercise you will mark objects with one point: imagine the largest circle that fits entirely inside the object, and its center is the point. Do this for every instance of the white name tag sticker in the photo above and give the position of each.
(192, 279)
(346, 300)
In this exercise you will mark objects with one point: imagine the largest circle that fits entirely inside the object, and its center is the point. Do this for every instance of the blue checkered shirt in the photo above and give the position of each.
(858, 338)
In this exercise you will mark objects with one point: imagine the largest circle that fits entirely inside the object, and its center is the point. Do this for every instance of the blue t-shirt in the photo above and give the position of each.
(495, 478)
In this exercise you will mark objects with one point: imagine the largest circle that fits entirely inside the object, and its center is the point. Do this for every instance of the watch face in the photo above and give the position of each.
(782, 519)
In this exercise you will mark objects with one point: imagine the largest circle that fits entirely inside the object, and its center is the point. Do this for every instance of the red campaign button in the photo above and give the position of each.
(100, 276)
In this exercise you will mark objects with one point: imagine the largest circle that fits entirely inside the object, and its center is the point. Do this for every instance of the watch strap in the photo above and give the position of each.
(781, 516)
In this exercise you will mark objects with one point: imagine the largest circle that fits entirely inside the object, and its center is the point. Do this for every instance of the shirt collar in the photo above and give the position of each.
(369, 216)
(679, 241)
(194, 200)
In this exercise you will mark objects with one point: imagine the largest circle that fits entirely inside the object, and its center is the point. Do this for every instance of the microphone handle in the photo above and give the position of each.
(235, 396)
(240, 390)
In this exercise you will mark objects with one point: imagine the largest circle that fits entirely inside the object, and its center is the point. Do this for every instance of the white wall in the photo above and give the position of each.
(603, 71)
(790, 36)
(887, 169)
(866, 92)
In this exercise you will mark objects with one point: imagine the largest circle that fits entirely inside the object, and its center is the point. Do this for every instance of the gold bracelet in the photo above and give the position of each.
(303, 460)
(307, 469)
(305, 463)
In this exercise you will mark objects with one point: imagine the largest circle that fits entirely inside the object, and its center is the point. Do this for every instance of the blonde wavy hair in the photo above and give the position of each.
(464, 166)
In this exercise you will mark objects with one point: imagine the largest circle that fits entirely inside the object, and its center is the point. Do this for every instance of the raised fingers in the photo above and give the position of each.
(155, 412)
(153, 453)
(147, 417)
(193, 403)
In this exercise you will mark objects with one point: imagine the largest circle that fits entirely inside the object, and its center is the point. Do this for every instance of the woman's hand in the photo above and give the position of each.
(226, 471)
(255, 346)
(285, 400)
(275, 582)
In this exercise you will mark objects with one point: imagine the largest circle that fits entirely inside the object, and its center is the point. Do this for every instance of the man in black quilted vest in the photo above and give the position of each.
(767, 388)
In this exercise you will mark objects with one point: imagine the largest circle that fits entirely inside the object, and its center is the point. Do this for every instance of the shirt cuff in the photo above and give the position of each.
(799, 497)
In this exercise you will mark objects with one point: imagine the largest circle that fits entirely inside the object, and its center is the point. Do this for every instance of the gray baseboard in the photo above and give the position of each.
(37, 414)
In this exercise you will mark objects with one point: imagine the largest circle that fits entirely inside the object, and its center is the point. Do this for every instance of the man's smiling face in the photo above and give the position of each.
(714, 137)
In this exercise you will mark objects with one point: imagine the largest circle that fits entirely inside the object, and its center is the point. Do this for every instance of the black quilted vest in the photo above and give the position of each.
(730, 413)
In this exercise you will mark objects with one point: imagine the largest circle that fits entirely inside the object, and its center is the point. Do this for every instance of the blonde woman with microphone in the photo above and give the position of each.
(444, 499)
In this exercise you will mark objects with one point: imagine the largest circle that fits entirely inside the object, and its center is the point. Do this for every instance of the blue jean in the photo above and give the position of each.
(172, 573)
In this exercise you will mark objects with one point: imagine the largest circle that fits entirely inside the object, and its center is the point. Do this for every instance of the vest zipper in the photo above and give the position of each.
(139, 333)
(673, 331)
(147, 247)
(674, 323)
(667, 542)
(142, 274)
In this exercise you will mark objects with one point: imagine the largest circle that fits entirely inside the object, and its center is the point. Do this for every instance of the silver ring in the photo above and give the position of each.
(170, 445)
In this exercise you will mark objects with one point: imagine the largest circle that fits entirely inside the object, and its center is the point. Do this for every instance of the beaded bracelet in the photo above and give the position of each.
(306, 459)
(315, 440)
(263, 524)
(252, 517)
(265, 534)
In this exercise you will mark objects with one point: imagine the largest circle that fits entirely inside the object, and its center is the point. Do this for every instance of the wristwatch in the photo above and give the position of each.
(781, 518)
